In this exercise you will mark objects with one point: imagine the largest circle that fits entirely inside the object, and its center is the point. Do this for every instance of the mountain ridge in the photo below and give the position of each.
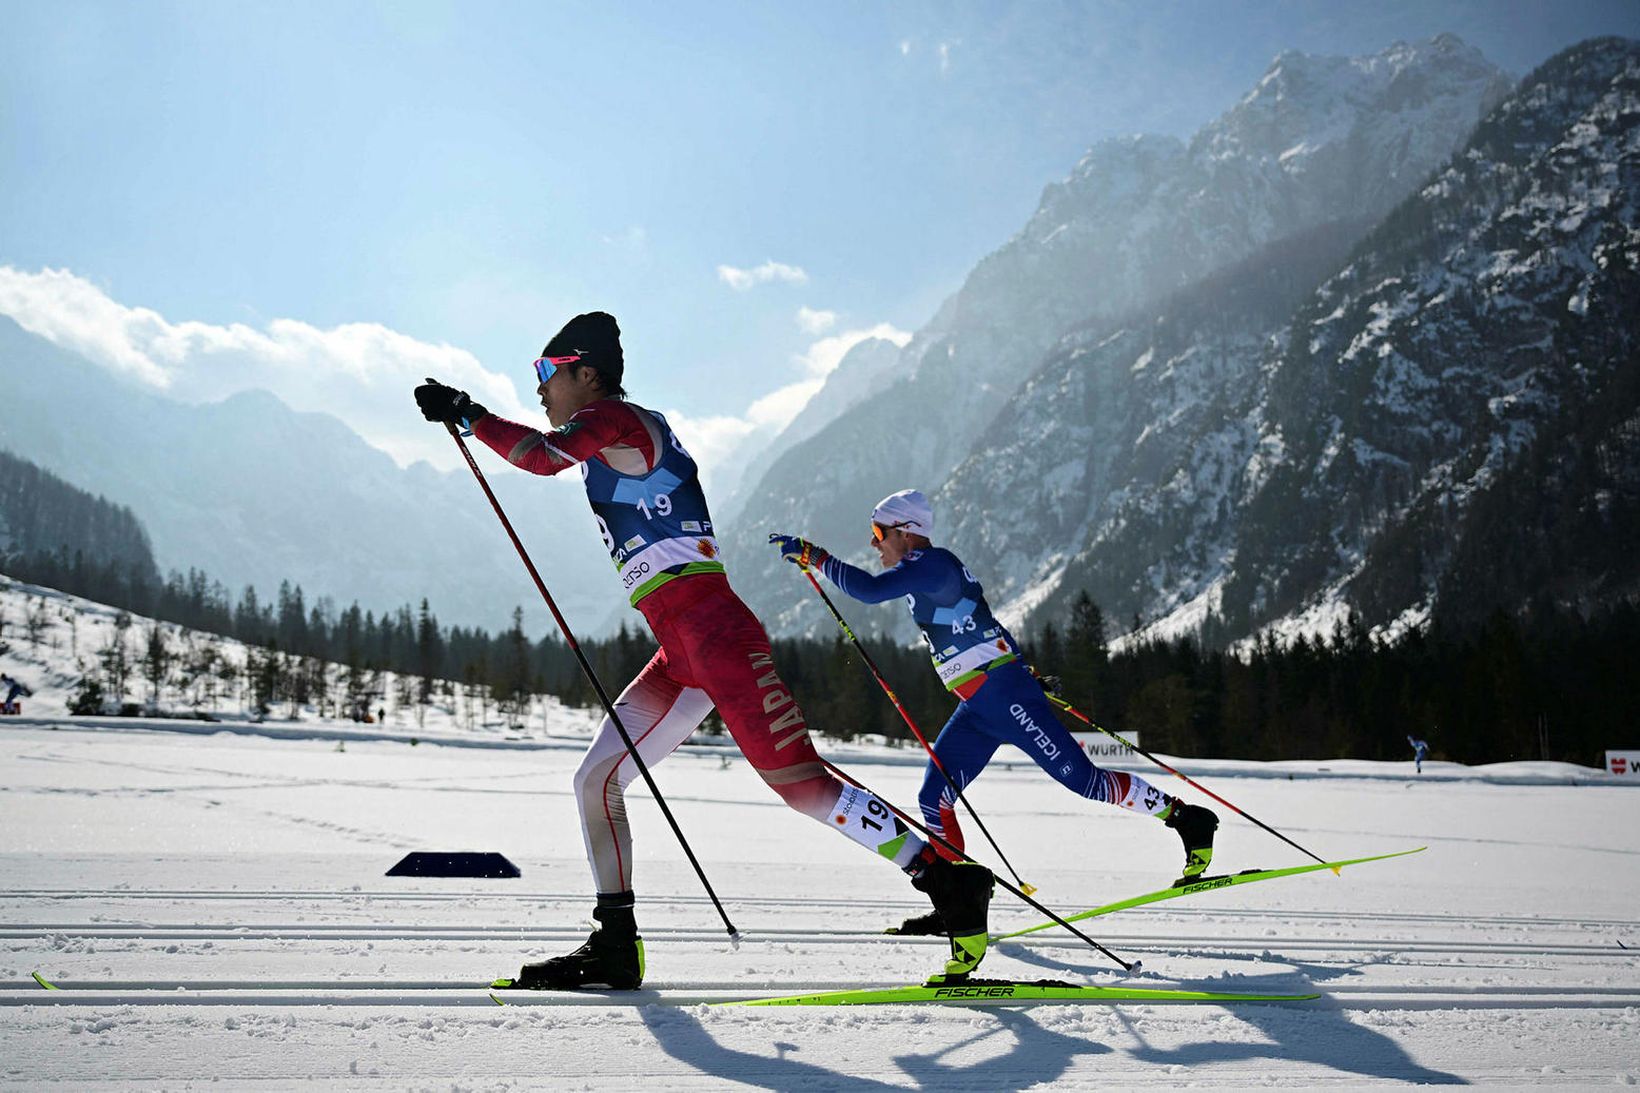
(244, 488)
(1342, 457)
(1138, 219)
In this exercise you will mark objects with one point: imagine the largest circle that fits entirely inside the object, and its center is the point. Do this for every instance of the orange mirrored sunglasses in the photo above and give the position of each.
(880, 531)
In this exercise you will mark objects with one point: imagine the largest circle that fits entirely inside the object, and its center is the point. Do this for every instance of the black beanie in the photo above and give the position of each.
(597, 338)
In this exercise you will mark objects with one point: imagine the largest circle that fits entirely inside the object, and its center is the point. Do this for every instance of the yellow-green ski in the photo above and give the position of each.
(1206, 884)
(1003, 992)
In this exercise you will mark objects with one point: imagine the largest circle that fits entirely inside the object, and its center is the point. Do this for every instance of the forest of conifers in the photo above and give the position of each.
(1549, 685)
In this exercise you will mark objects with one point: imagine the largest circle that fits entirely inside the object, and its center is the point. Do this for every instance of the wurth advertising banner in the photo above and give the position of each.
(1623, 762)
(1100, 747)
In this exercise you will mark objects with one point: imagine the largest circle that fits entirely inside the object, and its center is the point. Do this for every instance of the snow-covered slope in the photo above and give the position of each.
(51, 641)
(1449, 416)
(1318, 142)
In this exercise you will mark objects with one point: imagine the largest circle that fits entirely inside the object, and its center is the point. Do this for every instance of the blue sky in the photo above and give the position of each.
(393, 186)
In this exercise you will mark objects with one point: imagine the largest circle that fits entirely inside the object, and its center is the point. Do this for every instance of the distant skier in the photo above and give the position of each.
(646, 496)
(979, 661)
(13, 690)
(1419, 750)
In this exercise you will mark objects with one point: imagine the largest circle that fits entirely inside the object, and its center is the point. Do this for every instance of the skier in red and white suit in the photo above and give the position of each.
(645, 493)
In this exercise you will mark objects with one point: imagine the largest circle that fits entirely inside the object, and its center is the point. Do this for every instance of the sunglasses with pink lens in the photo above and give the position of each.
(545, 366)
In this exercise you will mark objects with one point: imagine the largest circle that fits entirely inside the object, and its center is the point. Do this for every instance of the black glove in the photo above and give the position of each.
(446, 405)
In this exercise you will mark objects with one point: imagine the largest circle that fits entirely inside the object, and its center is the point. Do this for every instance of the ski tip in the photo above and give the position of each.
(496, 1000)
(502, 984)
(40, 979)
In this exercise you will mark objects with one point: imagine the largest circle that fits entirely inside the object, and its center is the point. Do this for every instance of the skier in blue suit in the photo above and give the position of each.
(1000, 700)
(1419, 749)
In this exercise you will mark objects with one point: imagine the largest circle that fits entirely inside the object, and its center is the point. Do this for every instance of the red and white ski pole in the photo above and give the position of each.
(1127, 966)
(923, 740)
(1086, 720)
(592, 677)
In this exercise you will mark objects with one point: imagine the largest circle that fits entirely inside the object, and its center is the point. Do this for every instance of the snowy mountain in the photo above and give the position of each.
(1320, 144)
(865, 369)
(1449, 418)
(255, 493)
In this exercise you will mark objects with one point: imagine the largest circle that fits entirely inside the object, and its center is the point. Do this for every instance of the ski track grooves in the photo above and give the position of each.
(894, 905)
(1157, 942)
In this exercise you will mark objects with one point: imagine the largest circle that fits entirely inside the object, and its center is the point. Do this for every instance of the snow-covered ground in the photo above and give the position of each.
(225, 894)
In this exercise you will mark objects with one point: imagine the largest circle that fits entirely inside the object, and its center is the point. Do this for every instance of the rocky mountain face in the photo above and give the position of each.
(1320, 147)
(1446, 417)
(253, 492)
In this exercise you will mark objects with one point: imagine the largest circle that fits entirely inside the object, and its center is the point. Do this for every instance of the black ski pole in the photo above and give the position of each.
(856, 783)
(923, 740)
(1088, 721)
(592, 677)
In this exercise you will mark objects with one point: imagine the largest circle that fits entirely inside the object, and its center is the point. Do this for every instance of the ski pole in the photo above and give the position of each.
(857, 784)
(592, 677)
(923, 740)
(1086, 720)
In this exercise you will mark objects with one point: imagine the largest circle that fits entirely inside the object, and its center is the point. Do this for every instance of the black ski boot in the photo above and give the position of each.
(1195, 826)
(612, 957)
(961, 892)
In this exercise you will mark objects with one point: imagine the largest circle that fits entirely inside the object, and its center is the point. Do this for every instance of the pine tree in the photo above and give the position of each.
(1087, 657)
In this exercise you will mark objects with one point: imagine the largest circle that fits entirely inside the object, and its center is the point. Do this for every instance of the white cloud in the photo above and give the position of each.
(743, 279)
(362, 373)
(713, 440)
(905, 47)
(824, 355)
(815, 322)
(776, 410)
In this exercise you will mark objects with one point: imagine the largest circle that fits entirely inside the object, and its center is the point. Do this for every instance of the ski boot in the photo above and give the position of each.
(612, 957)
(1195, 826)
(961, 892)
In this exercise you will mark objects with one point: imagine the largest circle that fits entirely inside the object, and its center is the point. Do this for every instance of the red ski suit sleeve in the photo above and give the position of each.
(607, 429)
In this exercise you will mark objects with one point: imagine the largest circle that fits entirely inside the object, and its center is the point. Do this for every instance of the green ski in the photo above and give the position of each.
(40, 979)
(1006, 992)
(1206, 884)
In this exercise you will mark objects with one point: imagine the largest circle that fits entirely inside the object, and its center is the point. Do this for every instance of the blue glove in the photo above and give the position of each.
(799, 552)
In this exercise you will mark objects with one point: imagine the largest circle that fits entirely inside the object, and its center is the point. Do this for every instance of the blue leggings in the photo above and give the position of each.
(1011, 709)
